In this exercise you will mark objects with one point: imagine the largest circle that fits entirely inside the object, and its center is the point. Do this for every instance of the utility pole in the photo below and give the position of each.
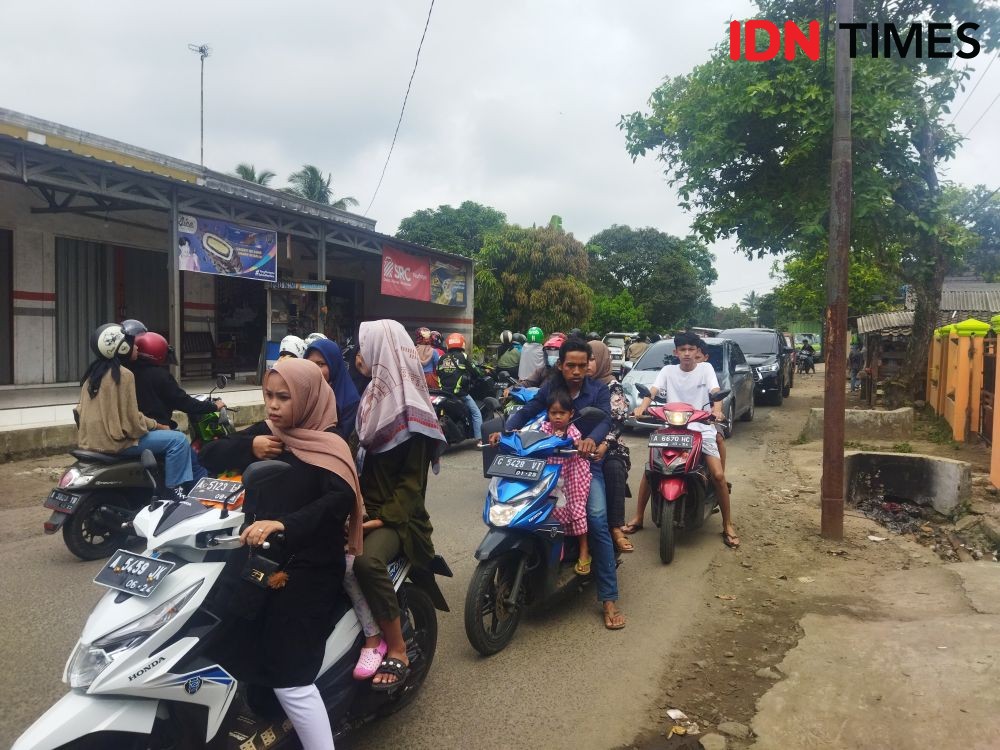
(838, 264)
(203, 51)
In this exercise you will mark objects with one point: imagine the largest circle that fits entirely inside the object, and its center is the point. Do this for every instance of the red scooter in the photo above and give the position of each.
(682, 493)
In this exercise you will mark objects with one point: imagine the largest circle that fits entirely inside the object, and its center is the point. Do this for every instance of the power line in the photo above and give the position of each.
(969, 97)
(403, 109)
(982, 115)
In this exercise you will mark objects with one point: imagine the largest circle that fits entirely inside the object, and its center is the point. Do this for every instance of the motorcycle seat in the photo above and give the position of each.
(101, 458)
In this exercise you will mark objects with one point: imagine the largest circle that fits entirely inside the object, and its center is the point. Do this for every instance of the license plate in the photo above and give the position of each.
(214, 490)
(671, 440)
(64, 501)
(133, 574)
(515, 467)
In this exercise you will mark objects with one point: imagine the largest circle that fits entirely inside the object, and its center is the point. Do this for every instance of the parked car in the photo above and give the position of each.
(768, 353)
(617, 343)
(731, 368)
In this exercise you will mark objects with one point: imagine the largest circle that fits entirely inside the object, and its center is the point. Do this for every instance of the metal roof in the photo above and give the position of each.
(879, 322)
(981, 299)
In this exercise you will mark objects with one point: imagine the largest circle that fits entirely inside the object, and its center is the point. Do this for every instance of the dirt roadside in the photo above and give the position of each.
(783, 571)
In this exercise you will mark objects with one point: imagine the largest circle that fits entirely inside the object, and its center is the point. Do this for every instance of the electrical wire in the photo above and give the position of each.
(403, 109)
(988, 108)
(969, 97)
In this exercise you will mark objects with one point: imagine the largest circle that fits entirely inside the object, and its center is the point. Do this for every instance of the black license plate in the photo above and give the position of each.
(64, 501)
(214, 490)
(515, 467)
(133, 574)
(670, 440)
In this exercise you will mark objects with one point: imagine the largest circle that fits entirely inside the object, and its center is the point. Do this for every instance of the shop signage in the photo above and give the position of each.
(405, 275)
(226, 249)
(447, 284)
(301, 286)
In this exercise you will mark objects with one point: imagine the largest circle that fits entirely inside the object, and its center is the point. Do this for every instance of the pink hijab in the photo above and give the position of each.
(314, 409)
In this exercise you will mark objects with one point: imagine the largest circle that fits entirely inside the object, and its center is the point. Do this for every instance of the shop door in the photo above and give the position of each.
(6, 307)
(84, 300)
(141, 279)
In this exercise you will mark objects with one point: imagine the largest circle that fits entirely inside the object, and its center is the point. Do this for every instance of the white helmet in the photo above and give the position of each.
(292, 345)
(110, 341)
(313, 337)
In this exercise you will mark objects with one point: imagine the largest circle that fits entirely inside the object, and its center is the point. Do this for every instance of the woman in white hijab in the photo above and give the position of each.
(400, 439)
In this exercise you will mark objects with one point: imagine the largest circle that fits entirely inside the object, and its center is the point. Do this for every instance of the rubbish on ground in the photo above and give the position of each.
(676, 714)
(873, 538)
(726, 597)
(805, 579)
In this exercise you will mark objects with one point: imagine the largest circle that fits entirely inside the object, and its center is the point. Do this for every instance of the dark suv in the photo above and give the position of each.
(767, 352)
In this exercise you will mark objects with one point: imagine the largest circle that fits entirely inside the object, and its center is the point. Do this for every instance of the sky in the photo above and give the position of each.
(514, 105)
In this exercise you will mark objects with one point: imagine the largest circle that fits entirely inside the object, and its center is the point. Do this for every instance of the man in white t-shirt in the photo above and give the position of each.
(692, 382)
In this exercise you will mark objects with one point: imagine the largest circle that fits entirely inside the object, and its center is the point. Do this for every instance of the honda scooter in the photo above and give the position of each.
(682, 493)
(98, 496)
(525, 559)
(142, 674)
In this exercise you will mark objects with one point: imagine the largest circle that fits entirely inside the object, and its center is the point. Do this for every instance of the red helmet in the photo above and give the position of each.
(152, 347)
(455, 341)
(555, 341)
(423, 336)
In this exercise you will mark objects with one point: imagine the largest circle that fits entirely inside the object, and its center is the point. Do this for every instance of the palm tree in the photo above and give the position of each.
(309, 183)
(751, 303)
(246, 171)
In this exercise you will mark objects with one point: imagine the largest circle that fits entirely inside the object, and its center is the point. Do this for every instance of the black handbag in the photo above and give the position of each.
(254, 586)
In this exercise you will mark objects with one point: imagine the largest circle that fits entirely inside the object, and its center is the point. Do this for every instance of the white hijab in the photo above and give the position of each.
(396, 404)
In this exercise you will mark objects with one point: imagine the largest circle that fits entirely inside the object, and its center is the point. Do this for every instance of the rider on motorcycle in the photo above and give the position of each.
(532, 356)
(292, 346)
(457, 374)
(509, 354)
(551, 351)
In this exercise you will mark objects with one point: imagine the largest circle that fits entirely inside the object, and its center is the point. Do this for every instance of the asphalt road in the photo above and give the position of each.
(564, 682)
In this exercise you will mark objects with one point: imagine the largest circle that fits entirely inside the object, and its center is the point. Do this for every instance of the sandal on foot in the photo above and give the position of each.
(731, 540)
(369, 661)
(582, 567)
(631, 528)
(393, 667)
(623, 543)
(609, 619)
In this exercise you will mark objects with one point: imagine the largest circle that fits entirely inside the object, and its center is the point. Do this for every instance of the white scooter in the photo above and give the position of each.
(141, 675)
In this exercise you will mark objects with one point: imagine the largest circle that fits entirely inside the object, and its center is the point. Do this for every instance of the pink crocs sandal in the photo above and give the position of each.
(369, 661)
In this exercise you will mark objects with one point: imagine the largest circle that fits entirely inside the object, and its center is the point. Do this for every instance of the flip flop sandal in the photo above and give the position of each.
(727, 539)
(624, 544)
(393, 667)
(631, 528)
(608, 617)
(582, 567)
(369, 661)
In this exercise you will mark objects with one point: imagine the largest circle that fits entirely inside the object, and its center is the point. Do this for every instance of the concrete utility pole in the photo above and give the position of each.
(838, 263)
(204, 51)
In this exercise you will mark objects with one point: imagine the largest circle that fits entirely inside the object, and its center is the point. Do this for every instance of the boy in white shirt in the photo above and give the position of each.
(692, 382)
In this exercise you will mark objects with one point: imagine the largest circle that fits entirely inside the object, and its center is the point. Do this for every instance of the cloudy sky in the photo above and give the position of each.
(515, 104)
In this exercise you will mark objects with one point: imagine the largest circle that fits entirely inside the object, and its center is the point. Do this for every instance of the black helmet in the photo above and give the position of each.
(593, 336)
(134, 327)
(519, 338)
(575, 333)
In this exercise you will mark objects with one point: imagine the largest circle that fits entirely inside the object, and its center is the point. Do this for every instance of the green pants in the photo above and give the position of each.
(381, 546)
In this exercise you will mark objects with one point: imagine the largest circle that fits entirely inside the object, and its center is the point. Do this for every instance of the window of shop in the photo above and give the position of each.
(6, 307)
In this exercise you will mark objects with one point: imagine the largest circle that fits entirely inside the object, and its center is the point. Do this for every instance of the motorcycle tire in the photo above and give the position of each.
(88, 537)
(420, 630)
(668, 534)
(490, 584)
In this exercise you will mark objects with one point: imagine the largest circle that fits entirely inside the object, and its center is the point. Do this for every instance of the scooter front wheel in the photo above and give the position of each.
(90, 533)
(668, 533)
(490, 621)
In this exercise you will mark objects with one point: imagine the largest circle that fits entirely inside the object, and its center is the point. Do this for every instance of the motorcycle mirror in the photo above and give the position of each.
(590, 413)
(261, 472)
(642, 390)
(717, 396)
(221, 382)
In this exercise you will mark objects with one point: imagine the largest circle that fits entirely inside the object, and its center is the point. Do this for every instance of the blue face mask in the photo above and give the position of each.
(551, 358)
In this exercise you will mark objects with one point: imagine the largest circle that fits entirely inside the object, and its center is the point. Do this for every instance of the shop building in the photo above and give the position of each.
(94, 230)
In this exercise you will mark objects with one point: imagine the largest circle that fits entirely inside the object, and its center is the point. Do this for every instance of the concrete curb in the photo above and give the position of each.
(942, 483)
(863, 424)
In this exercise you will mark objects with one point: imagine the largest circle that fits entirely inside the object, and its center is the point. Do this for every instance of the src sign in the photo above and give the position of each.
(405, 275)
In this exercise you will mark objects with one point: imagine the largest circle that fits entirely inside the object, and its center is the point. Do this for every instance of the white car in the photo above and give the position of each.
(617, 342)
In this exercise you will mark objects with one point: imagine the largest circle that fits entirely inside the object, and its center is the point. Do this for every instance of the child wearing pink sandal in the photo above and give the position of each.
(375, 646)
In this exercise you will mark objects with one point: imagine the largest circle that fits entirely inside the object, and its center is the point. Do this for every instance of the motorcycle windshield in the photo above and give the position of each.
(176, 512)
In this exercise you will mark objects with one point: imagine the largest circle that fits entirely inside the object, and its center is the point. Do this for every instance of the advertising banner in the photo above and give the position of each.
(447, 284)
(226, 249)
(405, 275)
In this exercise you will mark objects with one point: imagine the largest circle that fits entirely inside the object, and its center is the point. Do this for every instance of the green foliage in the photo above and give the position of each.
(618, 313)
(246, 171)
(309, 183)
(457, 230)
(979, 211)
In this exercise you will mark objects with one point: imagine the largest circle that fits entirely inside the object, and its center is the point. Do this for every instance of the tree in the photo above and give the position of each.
(532, 276)
(979, 210)
(309, 183)
(618, 313)
(457, 230)
(246, 171)
(748, 147)
(751, 303)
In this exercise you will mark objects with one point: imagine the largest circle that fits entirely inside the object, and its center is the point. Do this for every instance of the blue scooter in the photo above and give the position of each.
(525, 559)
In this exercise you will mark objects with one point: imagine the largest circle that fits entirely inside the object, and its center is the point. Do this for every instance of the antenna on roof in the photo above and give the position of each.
(203, 51)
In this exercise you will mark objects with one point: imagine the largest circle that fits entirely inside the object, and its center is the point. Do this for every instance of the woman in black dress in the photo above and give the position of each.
(280, 640)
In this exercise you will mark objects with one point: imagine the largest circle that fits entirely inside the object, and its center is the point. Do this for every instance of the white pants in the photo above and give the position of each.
(305, 709)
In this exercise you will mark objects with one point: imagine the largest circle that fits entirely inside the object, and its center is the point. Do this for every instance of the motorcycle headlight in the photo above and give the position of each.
(74, 478)
(501, 514)
(90, 659)
(678, 418)
(773, 367)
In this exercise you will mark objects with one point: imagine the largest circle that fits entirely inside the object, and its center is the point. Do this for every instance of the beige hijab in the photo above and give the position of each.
(314, 410)
(602, 362)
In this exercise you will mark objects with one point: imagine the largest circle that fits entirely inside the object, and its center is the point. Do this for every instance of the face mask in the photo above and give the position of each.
(551, 359)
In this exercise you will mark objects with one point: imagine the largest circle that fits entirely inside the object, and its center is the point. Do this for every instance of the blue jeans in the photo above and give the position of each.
(854, 380)
(601, 547)
(475, 416)
(174, 447)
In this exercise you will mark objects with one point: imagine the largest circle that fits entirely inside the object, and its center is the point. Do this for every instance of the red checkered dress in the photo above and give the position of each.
(573, 487)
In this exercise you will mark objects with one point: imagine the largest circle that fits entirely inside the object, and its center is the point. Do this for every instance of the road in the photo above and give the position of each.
(564, 682)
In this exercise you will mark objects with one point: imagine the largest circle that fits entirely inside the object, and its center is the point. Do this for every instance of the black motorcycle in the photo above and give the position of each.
(453, 415)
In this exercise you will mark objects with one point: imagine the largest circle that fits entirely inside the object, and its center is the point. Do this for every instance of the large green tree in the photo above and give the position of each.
(309, 183)
(458, 230)
(617, 313)
(748, 146)
(979, 210)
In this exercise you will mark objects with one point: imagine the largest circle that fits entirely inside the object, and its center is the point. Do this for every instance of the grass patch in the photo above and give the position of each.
(935, 428)
(902, 448)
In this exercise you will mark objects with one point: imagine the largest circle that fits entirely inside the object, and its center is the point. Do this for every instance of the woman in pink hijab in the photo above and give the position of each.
(282, 638)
